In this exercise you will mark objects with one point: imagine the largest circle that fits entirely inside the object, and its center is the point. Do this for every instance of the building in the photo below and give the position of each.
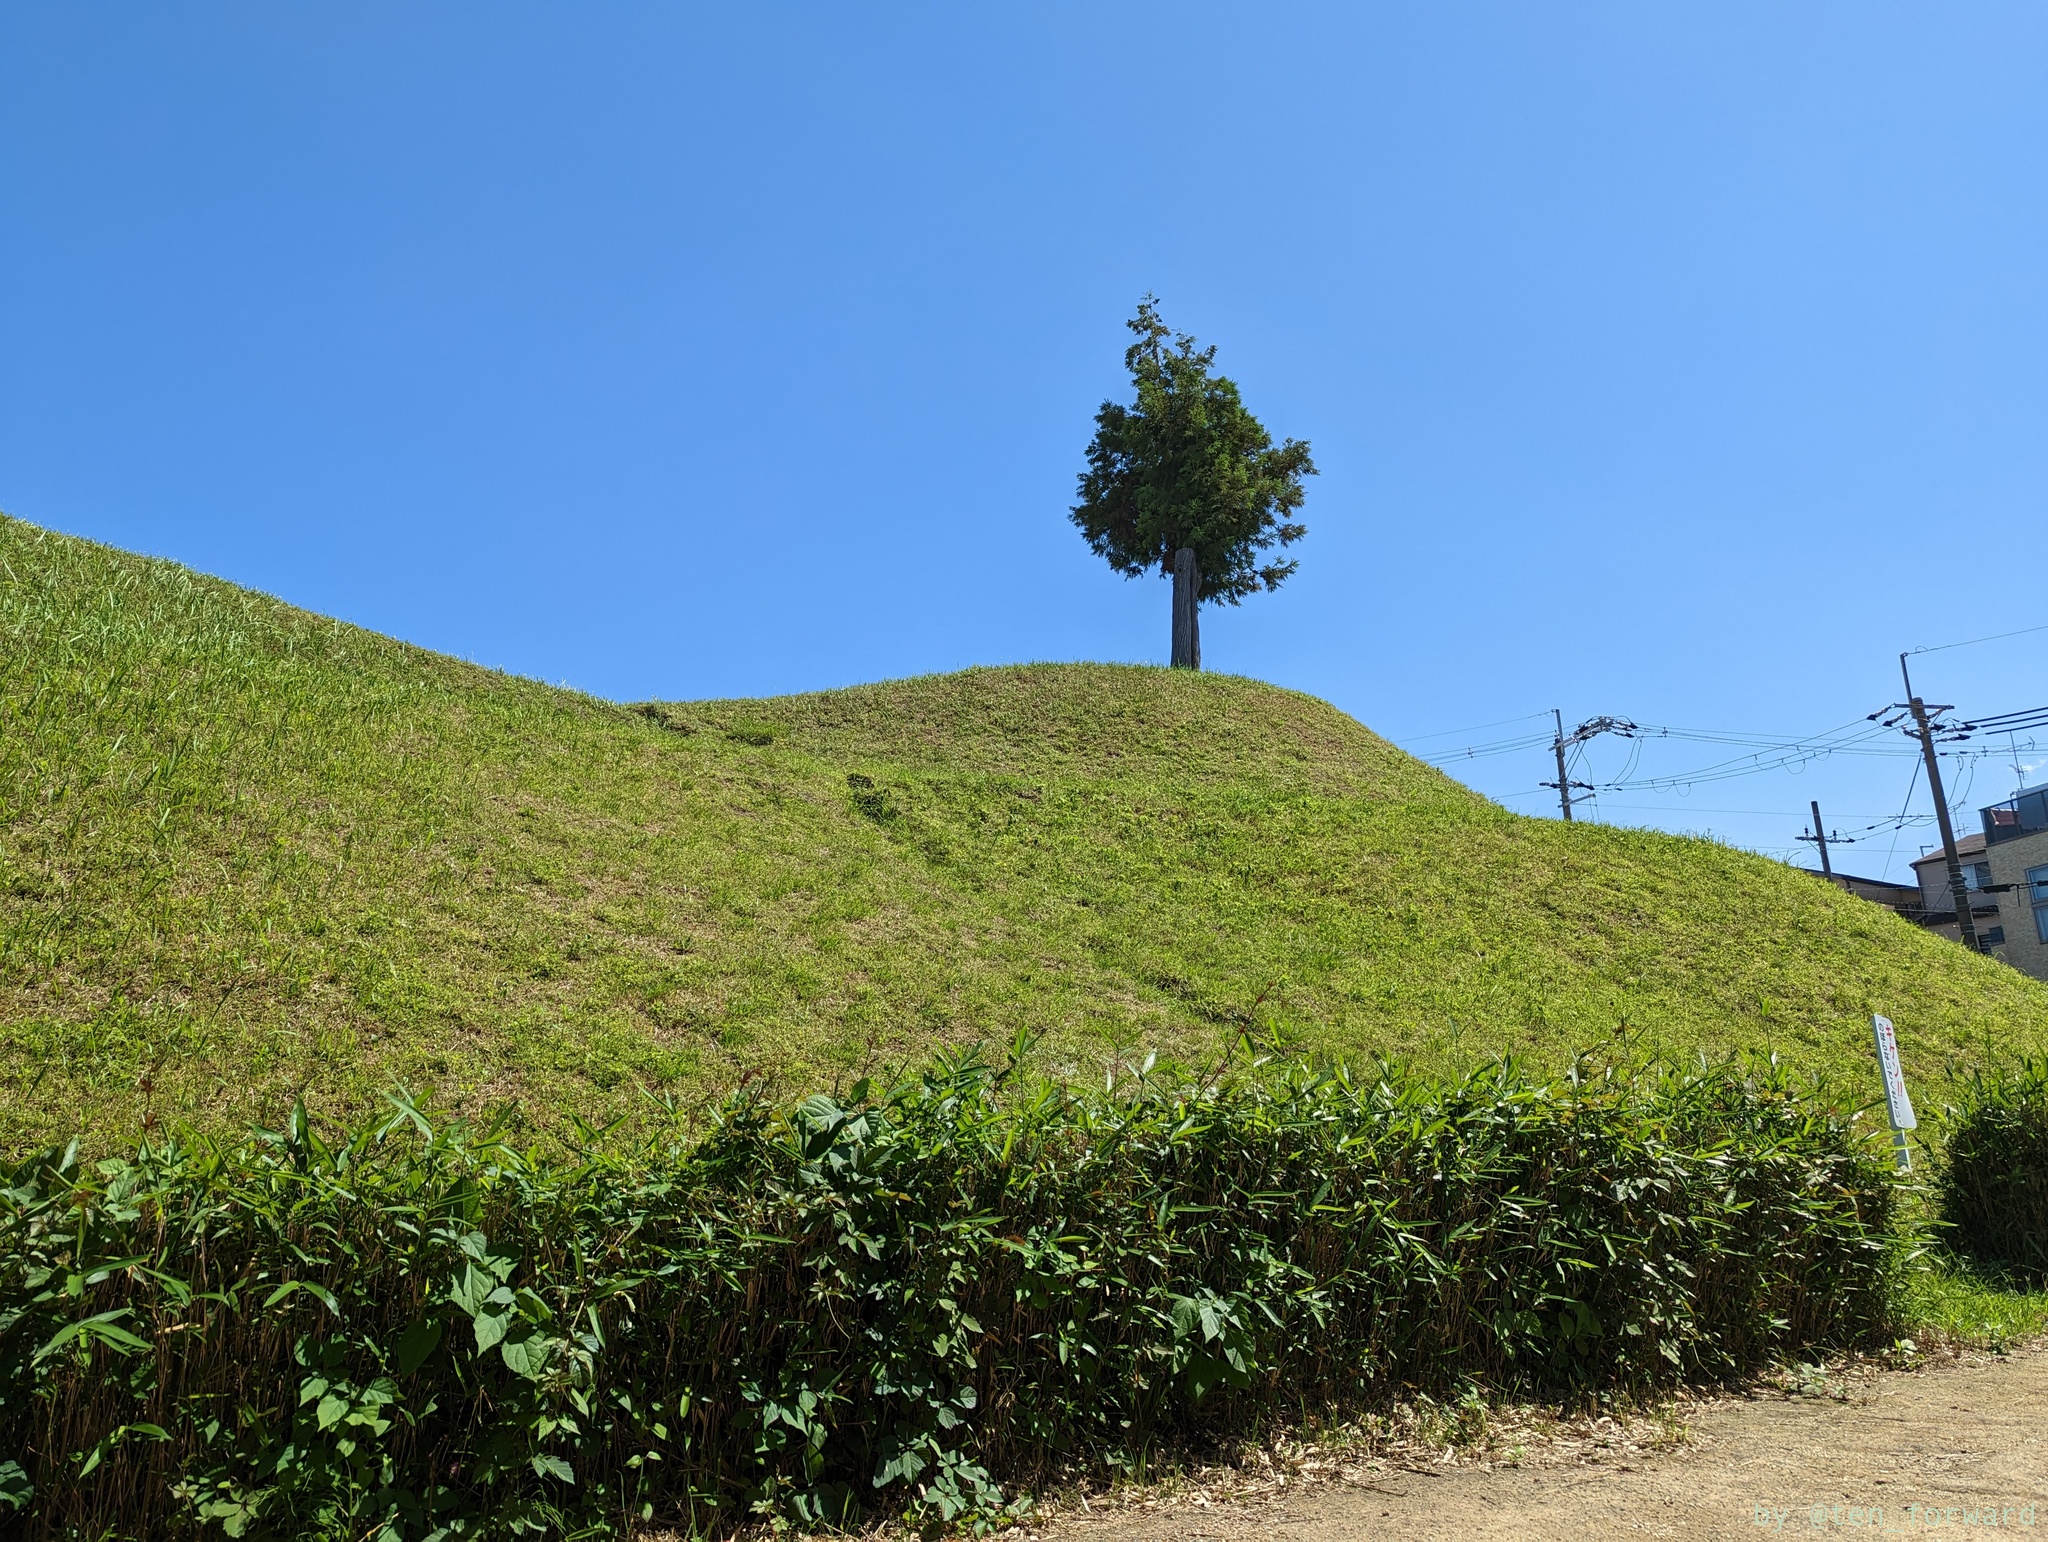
(1938, 905)
(1902, 897)
(2016, 850)
(2005, 869)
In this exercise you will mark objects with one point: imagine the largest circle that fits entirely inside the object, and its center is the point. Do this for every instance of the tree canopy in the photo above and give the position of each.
(1186, 465)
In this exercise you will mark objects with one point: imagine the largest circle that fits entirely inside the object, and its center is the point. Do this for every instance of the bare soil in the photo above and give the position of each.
(1957, 1448)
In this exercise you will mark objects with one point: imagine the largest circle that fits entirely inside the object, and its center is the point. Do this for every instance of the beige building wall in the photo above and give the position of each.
(1935, 899)
(2011, 860)
(1932, 871)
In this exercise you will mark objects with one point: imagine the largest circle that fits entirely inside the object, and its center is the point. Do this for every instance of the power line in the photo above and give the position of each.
(1868, 742)
(1875, 744)
(1865, 737)
(2003, 723)
(1973, 641)
(1577, 740)
(1782, 756)
(1473, 729)
(1786, 757)
(1923, 727)
(1486, 751)
(1893, 850)
(1883, 820)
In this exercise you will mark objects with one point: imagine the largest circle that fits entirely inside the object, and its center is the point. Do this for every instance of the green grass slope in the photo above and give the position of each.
(247, 852)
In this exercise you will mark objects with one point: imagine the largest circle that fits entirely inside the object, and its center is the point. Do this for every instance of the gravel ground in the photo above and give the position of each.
(1955, 1448)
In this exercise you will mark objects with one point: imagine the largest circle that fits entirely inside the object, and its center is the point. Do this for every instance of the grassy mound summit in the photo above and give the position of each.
(247, 852)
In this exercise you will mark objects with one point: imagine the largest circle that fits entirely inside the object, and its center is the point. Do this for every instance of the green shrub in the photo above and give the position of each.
(922, 1296)
(1992, 1179)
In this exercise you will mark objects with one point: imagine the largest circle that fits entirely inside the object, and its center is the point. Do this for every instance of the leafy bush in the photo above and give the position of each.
(920, 1296)
(1992, 1180)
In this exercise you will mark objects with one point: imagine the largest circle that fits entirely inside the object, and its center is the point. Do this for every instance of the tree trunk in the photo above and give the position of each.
(1187, 603)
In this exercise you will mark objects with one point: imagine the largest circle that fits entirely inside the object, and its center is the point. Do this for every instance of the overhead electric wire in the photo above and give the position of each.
(1473, 729)
(1483, 751)
(1786, 756)
(1865, 741)
(1972, 642)
(1889, 738)
(1729, 771)
(1867, 744)
(1889, 822)
(1792, 756)
(1960, 800)
(1635, 755)
(1884, 821)
(1893, 850)
(1863, 737)
(2003, 723)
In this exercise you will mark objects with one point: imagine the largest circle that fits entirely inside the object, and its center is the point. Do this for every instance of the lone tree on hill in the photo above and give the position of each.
(1186, 481)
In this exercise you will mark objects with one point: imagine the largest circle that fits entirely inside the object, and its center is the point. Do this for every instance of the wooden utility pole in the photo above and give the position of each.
(1564, 786)
(1187, 606)
(1959, 891)
(1587, 731)
(1820, 839)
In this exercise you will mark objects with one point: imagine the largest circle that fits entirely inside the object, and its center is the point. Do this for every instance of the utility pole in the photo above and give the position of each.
(1564, 786)
(1966, 924)
(1592, 728)
(1820, 839)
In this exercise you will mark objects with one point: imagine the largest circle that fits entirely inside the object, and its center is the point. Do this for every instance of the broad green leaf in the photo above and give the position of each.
(418, 1341)
(490, 1328)
(527, 1356)
(904, 1465)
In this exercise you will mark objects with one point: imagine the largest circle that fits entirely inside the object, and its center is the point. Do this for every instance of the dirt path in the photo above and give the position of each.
(1887, 1456)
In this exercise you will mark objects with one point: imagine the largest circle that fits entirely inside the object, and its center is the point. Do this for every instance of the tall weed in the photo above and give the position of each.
(920, 1296)
(1991, 1185)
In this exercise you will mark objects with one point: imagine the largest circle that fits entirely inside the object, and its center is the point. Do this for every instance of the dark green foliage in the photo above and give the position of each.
(923, 1296)
(1992, 1182)
(1186, 465)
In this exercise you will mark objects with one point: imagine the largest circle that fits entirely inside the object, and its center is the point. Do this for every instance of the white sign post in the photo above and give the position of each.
(1897, 1105)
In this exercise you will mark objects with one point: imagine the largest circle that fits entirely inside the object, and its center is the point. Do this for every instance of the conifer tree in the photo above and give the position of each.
(1184, 481)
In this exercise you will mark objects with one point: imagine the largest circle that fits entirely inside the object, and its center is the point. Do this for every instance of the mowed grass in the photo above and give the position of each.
(250, 853)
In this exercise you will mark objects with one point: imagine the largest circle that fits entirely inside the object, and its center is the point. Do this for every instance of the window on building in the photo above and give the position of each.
(2037, 892)
(1994, 936)
(1977, 875)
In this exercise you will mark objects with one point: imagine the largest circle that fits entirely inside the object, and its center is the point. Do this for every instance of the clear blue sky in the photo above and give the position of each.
(1681, 362)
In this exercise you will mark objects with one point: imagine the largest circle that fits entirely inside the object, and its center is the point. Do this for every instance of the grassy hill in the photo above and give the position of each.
(246, 852)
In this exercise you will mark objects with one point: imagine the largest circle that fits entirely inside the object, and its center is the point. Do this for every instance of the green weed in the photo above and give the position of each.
(1991, 1184)
(1947, 1302)
(920, 1298)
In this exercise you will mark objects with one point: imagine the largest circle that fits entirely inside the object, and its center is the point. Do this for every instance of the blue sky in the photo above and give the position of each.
(1685, 363)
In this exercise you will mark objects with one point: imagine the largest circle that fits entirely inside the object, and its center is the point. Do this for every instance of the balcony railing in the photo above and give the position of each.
(2022, 814)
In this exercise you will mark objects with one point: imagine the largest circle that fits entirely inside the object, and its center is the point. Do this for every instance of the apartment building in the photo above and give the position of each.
(2005, 869)
(2016, 847)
